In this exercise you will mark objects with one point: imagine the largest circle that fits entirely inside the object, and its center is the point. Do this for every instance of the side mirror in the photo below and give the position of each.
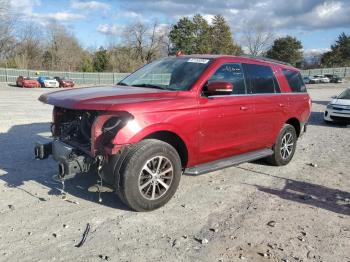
(220, 87)
(333, 97)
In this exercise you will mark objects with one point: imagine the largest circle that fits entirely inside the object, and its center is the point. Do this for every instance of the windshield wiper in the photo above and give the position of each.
(122, 84)
(150, 86)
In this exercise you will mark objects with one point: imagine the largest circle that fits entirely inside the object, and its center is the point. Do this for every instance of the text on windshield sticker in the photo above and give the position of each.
(198, 60)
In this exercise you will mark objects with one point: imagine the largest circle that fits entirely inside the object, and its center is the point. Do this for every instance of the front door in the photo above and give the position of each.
(226, 121)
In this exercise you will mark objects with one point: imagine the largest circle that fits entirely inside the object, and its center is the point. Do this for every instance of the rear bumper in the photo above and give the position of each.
(67, 85)
(70, 160)
(303, 128)
(31, 85)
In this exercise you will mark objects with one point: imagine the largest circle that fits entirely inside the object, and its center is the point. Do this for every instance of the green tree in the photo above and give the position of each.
(340, 52)
(197, 36)
(222, 41)
(202, 35)
(87, 64)
(101, 60)
(182, 36)
(286, 49)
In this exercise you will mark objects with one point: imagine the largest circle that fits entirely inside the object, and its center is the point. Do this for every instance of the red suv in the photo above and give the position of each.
(185, 114)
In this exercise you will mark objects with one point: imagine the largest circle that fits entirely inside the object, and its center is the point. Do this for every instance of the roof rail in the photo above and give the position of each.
(266, 59)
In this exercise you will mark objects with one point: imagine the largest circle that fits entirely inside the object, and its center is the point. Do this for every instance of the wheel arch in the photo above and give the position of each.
(174, 140)
(295, 123)
(163, 132)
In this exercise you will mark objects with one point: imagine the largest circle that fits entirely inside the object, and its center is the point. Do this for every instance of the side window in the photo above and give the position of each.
(232, 73)
(295, 81)
(261, 79)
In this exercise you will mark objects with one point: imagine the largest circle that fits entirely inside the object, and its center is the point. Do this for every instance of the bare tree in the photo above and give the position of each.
(258, 39)
(121, 59)
(165, 42)
(63, 52)
(146, 40)
(28, 51)
(6, 29)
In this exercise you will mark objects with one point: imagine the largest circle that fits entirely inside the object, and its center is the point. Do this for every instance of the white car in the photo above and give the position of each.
(51, 83)
(338, 110)
(321, 79)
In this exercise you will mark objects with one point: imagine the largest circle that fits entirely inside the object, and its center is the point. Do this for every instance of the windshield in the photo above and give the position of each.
(345, 94)
(168, 73)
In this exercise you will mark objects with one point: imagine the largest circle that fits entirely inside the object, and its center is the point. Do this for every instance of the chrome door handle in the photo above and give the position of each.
(244, 108)
(281, 105)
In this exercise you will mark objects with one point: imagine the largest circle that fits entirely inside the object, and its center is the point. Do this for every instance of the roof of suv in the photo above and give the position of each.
(247, 57)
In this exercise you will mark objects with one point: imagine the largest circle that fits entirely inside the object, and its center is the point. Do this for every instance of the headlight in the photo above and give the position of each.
(329, 106)
(111, 125)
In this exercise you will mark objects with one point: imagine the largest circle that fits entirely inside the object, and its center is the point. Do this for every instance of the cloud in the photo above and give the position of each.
(45, 19)
(62, 16)
(208, 18)
(311, 52)
(289, 14)
(89, 5)
(24, 9)
(114, 30)
(23, 6)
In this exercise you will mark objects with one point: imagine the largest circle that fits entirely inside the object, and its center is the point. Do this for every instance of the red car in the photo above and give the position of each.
(64, 82)
(27, 82)
(205, 113)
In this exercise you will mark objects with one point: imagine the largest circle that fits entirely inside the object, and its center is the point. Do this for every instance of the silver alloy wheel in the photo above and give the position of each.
(287, 145)
(156, 177)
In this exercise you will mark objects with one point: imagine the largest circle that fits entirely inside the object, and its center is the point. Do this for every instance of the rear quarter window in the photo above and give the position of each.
(261, 79)
(294, 80)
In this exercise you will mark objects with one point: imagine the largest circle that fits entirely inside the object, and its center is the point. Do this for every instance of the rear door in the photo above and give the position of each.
(270, 104)
(226, 125)
(298, 98)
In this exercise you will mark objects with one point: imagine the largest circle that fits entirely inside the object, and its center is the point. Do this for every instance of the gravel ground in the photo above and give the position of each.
(300, 212)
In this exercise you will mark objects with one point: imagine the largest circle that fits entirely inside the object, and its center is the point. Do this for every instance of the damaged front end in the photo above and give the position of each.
(81, 139)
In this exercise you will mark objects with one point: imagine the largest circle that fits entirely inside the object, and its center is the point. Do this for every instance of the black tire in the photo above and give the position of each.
(132, 174)
(278, 159)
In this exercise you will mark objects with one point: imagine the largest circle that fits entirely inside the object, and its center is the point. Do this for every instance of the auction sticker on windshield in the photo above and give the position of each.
(198, 60)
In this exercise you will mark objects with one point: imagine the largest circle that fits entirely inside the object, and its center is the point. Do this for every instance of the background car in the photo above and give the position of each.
(334, 78)
(307, 80)
(27, 82)
(338, 110)
(321, 78)
(46, 81)
(41, 80)
(311, 80)
(64, 82)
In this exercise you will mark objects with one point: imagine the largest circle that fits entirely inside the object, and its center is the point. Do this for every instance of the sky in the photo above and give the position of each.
(317, 23)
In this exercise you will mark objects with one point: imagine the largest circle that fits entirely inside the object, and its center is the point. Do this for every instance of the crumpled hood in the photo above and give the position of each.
(104, 98)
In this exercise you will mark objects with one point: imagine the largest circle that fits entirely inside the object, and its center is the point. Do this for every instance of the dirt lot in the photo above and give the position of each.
(300, 212)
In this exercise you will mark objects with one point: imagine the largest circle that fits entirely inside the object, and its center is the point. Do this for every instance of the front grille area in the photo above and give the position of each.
(341, 108)
(340, 119)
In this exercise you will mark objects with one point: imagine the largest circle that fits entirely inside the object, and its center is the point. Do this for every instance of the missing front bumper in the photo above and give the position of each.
(70, 160)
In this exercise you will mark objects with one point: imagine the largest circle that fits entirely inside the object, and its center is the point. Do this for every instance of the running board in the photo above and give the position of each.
(227, 162)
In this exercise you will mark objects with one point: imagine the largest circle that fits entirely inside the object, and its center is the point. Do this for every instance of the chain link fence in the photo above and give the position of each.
(9, 75)
(339, 71)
